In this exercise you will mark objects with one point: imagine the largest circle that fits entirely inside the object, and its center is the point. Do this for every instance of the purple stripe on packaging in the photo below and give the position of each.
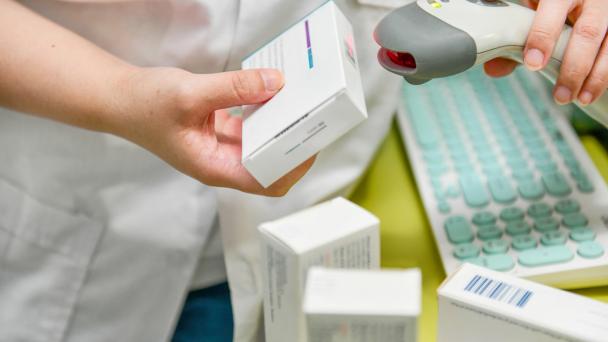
(307, 34)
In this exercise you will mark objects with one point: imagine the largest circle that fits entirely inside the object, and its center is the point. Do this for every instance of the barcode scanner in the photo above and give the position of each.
(428, 39)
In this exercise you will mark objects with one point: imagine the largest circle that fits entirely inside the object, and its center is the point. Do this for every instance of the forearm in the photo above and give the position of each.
(51, 72)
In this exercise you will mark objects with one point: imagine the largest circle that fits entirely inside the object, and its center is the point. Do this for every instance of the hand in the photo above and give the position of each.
(584, 71)
(181, 118)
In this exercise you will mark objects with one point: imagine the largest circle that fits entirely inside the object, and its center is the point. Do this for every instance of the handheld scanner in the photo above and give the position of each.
(428, 39)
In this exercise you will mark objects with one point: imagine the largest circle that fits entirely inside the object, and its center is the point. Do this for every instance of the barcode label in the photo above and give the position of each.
(499, 291)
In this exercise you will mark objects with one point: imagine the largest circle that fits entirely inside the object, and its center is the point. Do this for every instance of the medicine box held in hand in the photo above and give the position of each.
(334, 234)
(477, 304)
(362, 305)
(322, 98)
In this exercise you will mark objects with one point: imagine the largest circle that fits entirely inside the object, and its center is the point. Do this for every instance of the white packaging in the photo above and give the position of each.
(362, 305)
(334, 234)
(322, 98)
(477, 304)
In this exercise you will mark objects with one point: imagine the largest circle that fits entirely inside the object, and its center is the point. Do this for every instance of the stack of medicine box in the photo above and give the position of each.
(348, 298)
(334, 234)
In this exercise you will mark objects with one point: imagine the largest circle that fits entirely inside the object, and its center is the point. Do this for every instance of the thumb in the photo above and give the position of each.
(234, 88)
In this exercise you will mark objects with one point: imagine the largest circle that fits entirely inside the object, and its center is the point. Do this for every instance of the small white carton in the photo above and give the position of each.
(477, 304)
(362, 305)
(322, 98)
(334, 234)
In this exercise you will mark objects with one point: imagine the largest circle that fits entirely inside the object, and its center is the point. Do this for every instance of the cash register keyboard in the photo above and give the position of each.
(505, 181)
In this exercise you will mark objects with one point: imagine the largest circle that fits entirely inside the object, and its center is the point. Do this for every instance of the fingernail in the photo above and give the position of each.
(585, 98)
(534, 59)
(562, 95)
(273, 79)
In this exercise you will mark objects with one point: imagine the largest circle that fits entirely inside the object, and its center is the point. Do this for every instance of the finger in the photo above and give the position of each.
(546, 29)
(221, 116)
(235, 88)
(285, 183)
(499, 67)
(243, 181)
(530, 3)
(228, 172)
(232, 128)
(587, 36)
(597, 82)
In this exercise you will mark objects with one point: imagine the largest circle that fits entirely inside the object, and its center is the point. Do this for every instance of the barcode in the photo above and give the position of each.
(499, 291)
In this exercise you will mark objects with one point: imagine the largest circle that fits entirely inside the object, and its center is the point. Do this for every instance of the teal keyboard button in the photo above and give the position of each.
(458, 230)
(523, 175)
(457, 148)
(540, 155)
(433, 156)
(579, 175)
(502, 190)
(489, 232)
(475, 194)
(440, 194)
(424, 129)
(437, 169)
(575, 220)
(509, 149)
(545, 256)
(465, 168)
(485, 153)
(590, 250)
(566, 152)
(444, 207)
(585, 185)
(511, 214)
(572, 163)
(518, 228)
(538, 149)
(492, 171)
(517, 163)
(462, 160)
(538, 210)
(484, 218)
(436, 183)
(523, 242)
(487, 157)
(553, 238)
(546, 167)
(495, 247)
(556, 184)
(546, 224)
(453, 190)
(466, 251)
(567, 206)
(582, 234)
(496, 262)
(530, 189)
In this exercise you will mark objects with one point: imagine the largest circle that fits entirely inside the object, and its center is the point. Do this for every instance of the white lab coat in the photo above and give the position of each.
(100, 240)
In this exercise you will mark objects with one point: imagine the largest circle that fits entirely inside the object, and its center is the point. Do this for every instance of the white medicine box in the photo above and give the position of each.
(334, 234)
(362, 305)
(322, 98)
(477, 304)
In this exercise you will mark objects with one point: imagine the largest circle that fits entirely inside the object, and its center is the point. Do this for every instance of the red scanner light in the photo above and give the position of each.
(403, 59)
